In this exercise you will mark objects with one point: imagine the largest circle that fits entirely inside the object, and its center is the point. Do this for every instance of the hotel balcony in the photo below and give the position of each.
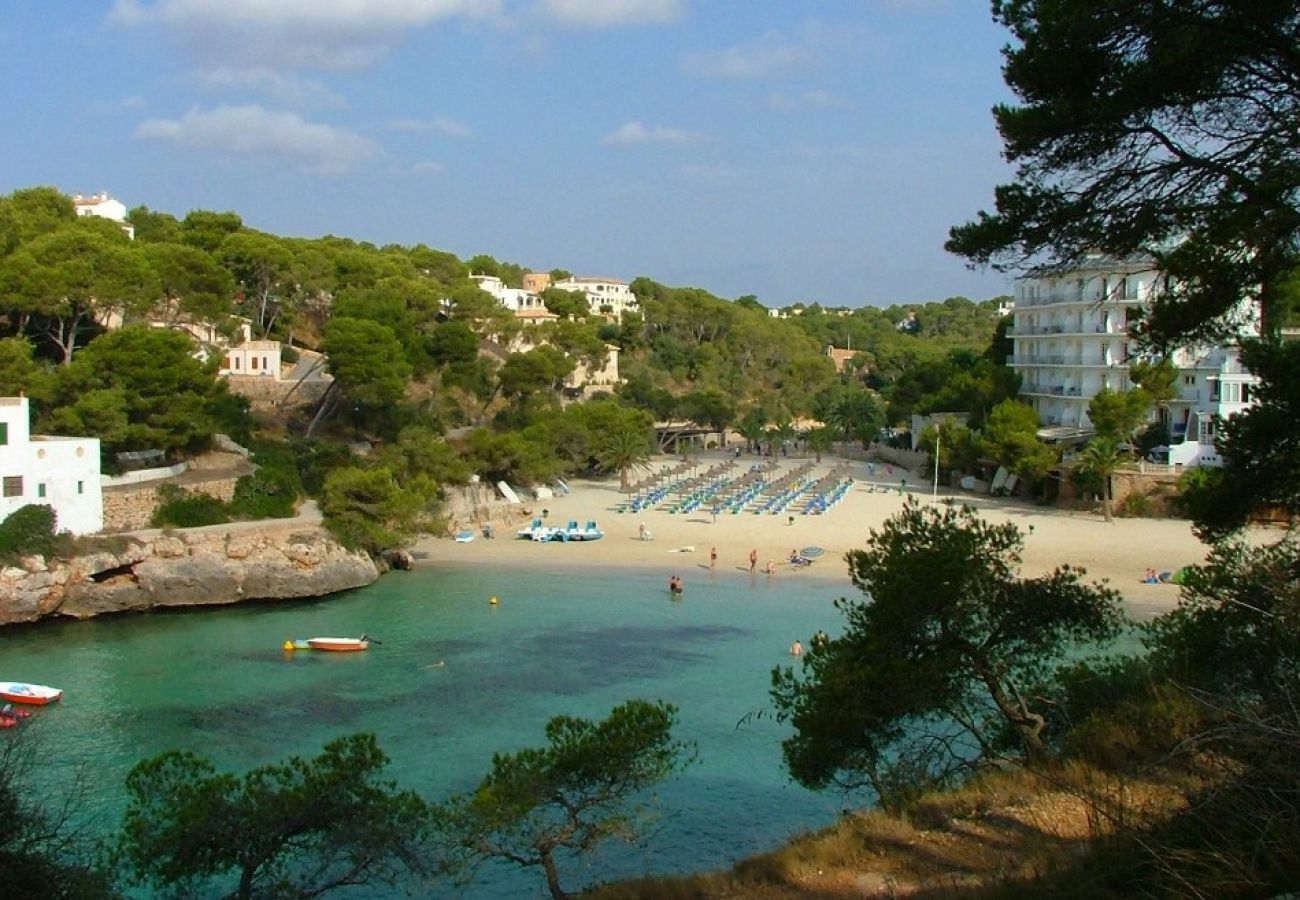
(1078, 360)
(1053, 330)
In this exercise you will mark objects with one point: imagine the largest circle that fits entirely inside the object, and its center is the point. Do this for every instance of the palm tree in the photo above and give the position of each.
(623, 448)
(1101, 459)
(820, 440)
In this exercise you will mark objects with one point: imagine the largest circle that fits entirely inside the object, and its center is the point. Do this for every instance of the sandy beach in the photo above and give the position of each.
(1117, 552)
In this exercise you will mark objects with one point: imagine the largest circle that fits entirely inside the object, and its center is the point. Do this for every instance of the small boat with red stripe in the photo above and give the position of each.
(31, 694)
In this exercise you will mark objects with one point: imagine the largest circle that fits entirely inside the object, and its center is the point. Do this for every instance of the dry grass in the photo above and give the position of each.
(1002, 831)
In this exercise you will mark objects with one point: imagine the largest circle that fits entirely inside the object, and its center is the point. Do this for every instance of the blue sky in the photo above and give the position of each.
(798, 151)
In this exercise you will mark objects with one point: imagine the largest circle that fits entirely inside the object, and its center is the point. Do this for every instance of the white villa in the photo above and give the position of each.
(105, 207)
(516, 300)
(61, 472)
(1071, 339)
(607, 296)
(260, 359)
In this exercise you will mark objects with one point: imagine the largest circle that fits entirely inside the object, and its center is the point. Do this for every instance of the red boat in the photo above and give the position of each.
(31, 694)
(11, 717)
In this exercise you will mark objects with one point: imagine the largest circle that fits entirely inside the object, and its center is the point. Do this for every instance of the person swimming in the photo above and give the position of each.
(675, 586)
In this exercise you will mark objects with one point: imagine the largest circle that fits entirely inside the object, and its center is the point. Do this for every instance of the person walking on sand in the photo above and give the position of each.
(713, 557)
(753, 559)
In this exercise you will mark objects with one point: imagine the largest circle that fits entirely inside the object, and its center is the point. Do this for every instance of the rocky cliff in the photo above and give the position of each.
(194, 567)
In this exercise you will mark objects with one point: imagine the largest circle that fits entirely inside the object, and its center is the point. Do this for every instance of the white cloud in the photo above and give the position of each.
(254, 131)
(309, 14)
(427, 168)
(612, 13)
(806, 100)
(638, 133)
(769, 54)
(284, 88)
(329, 35)
(439, 125)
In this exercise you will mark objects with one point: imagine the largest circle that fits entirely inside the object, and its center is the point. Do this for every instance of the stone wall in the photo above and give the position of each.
(1152, 493)
(185, 567)
(130, 507)
(474, 506)
(268, 394)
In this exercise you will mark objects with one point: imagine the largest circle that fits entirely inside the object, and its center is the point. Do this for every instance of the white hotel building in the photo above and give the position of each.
(1071, 339)
(60, 472)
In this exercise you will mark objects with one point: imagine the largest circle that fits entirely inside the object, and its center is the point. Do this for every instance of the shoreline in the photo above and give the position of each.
(1115, 553)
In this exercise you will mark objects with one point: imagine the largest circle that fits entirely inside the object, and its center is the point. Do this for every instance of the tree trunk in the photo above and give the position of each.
(1106, 498)
(326, 403)
(1028, 724)
(553, 877)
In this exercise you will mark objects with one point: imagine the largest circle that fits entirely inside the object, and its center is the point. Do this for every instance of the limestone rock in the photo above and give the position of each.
(187, 568)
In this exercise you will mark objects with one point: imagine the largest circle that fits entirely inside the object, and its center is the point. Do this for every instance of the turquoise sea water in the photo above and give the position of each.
(454, 680)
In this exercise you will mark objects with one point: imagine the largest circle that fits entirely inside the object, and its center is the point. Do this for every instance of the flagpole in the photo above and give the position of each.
(937, 436)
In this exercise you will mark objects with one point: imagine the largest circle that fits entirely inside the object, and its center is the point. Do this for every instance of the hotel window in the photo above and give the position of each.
(13, 485)
(252, 362)
(40, 490)
(4, 433)
(81, 487)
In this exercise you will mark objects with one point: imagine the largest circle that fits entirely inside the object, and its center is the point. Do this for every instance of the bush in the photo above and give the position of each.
(179, 508)
(1118, 713)
(1197, 492)
(266, 494)
(1135, 506)
(29, 530)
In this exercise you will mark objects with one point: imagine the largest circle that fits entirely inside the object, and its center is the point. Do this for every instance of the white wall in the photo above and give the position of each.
(64, 469)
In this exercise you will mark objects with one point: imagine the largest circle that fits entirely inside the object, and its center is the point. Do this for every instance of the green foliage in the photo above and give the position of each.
(620, 440)
(961, 381)
(1119, 414)
(1099, 461)
(315, 459)
(421, 453)
(366, 508)
(179, 508)
(299, 828)
(1199, 489)
(367, 361)
(266, 494)
(578, 791)
(1194, 175)
(19, 373)
(42, 853)
(139, 388)
(28, 213)
(208, 230)
(1236, 629)
(959, 447)
(1120, 714)
(57, 283)
(1010, 437)
(1259, 445)
(30, 530)
(939, 659)
(517, 456)
(566, 304)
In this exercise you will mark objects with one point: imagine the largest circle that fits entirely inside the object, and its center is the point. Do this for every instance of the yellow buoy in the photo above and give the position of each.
(494, 601)
(288, 645)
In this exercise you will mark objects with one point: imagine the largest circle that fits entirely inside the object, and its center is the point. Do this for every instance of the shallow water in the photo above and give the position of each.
(454, 679)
